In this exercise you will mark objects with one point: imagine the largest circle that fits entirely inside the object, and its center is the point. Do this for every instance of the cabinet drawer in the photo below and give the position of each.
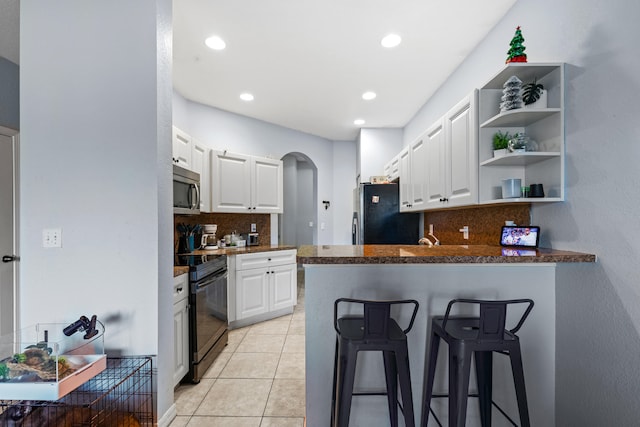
(265, 259)
(180, 287)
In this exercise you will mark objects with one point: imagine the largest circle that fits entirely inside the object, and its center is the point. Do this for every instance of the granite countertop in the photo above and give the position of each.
(178, 270)
(447, 254)
(233, 250)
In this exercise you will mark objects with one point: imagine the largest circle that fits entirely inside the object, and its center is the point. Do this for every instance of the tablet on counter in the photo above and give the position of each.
(514, 236)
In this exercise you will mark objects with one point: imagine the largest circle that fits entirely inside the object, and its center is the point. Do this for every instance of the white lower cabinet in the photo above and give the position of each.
(262, 285)
(252, 292)
(180, 327)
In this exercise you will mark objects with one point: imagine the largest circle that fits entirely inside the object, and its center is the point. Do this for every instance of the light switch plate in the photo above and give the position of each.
(253, 228)
(52, 238)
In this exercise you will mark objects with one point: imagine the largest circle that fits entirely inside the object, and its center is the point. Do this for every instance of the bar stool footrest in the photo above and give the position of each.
(493, 403)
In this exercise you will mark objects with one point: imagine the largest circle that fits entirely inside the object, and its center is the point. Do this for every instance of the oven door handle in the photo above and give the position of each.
(201, 285)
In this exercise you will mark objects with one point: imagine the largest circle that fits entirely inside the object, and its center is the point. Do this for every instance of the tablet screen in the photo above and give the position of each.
(523, 237)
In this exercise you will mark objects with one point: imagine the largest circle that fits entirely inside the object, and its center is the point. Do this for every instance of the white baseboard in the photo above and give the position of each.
(168, 416)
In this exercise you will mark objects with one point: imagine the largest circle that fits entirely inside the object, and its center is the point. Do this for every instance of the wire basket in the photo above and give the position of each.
(121, 395)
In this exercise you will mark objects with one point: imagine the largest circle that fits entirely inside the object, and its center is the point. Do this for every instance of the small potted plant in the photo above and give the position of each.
(500, 143)
(534, 95)
(518, 143)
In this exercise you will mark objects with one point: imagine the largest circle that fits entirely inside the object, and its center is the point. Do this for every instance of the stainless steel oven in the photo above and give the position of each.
(207, 310)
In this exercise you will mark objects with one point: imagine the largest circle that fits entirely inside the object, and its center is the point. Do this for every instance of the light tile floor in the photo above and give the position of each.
(257, 381)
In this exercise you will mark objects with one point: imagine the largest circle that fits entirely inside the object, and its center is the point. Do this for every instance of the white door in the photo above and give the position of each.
(230, 182)
(283, 286)
(252, 287)
(266, 182)
(436, 165)
(462, 179)
(200, 163)
(181, 340)
(418, 173)
(8, 230)
(181, 148)
(404, 171)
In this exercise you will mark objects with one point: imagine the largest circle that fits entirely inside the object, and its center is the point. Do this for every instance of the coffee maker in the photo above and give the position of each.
(208, 239)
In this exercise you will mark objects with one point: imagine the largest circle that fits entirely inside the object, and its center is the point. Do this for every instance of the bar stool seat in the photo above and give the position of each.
(375, 330)
(479, 336)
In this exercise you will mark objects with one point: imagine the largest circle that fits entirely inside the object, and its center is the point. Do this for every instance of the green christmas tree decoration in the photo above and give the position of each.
(516, 52)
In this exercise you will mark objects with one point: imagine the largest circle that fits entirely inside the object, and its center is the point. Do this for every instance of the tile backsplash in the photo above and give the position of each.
(227, 223)
(485, 223)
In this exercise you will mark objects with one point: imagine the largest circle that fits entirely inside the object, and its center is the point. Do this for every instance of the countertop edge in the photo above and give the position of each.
(180, 270)
(381, 254)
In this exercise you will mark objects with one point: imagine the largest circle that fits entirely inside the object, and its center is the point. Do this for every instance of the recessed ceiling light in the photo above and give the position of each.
(358, 122)
(369, 96)
(391, 40)
(246, 97)
(215, 43)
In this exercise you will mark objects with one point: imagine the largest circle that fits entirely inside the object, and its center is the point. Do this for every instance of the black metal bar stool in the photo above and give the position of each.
(479, 336)
(375, 330)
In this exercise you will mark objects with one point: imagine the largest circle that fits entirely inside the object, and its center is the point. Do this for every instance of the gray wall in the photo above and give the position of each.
(9, 94)
(95, 104)
(344, 181)
(299, 202)
(376, 148)
(598, 306)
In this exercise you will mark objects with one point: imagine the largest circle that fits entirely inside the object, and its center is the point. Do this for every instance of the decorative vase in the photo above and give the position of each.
(500, 153)
(540, 103)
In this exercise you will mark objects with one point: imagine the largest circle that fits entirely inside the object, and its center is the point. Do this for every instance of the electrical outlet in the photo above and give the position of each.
(52, 238)
(253, 228)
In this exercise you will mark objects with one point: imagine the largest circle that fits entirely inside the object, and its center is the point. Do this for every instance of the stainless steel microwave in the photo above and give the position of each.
(186, 191)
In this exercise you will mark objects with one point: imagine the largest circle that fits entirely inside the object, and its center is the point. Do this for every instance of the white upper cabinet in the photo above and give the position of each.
(266, 185)
(392, 169)
(404, 173)
(436, 158)
(181, 144)
(544, 124)
(461, 166)
(245, 184)
(192, 154)
(418, 174)
(200, 159)
(230, 182)
(452, 157)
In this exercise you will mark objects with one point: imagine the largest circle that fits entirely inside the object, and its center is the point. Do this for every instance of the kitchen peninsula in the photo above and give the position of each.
(433, 276)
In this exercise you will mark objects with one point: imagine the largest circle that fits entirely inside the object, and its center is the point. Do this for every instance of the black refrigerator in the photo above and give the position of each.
(377, 218)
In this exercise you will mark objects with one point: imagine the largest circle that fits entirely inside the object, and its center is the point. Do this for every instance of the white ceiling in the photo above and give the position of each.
(308, 61)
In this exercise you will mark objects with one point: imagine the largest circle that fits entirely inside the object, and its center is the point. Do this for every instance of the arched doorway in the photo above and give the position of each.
(297, 225)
